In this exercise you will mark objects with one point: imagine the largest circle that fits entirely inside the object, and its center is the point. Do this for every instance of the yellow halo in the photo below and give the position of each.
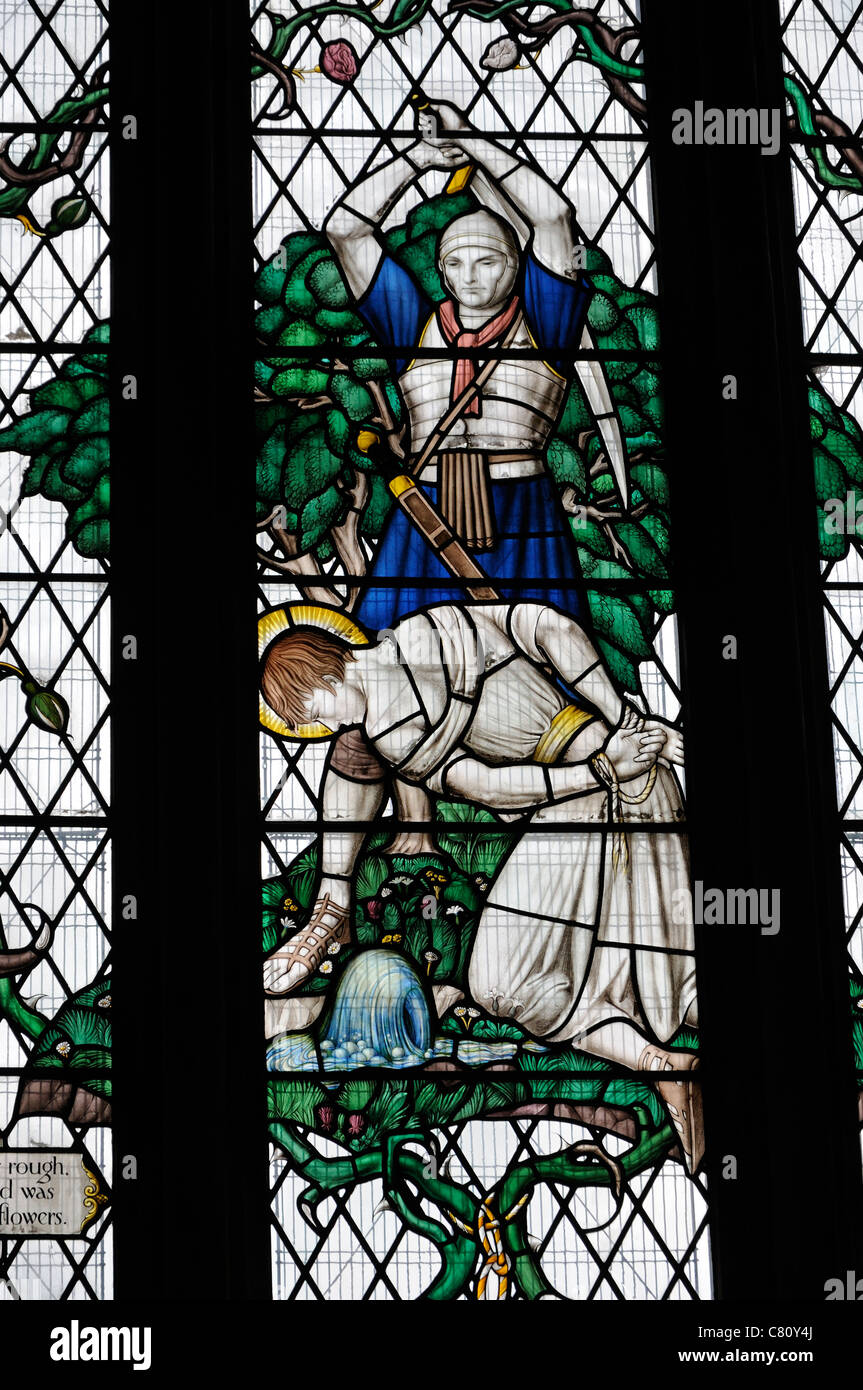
(298, 615)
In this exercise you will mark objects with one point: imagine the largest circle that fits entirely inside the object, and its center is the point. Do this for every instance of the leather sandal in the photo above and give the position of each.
(681, 1098)
(306, 949)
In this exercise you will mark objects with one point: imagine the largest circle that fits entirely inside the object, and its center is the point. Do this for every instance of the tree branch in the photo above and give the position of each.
(284, 79)
(294, 563)
(346, 536)
(73, 155)
(603, 43)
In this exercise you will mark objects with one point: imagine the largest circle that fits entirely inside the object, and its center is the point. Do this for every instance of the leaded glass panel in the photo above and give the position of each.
(55, 767)
(478, 939)
(823, 51)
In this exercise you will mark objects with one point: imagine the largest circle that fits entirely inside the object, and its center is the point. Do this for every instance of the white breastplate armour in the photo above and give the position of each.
(519, 405)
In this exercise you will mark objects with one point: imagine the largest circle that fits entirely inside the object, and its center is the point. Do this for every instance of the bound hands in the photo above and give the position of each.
(637, 743)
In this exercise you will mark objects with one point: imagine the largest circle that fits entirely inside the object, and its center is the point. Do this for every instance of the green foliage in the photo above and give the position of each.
(327, 391)
(476, 850)
(856, 1003)
(78, 1039)
(294, 1100)
(389, 1109)
(384, 1108)
(66, 436)
(837, 451)
(426, 906)
(324, 395)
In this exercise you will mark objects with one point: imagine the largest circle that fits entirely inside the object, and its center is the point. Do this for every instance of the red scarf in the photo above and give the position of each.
(465, 370)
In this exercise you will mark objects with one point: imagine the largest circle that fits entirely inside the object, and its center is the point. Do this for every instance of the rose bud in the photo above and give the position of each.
(46, 708)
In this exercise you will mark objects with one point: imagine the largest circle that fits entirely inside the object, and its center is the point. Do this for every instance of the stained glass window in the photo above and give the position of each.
(475, 531)
(55, 765)
(824, 62)
(480, 1007)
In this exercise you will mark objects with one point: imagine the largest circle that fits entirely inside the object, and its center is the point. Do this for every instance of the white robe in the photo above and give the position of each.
(566, 942)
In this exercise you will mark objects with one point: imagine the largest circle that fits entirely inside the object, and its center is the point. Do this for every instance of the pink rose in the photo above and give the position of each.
(339, 61)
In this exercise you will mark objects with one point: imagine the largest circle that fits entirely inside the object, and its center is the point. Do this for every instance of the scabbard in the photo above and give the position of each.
(425, 517)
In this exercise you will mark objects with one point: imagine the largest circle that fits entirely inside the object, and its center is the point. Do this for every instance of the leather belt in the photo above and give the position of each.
(501, 466)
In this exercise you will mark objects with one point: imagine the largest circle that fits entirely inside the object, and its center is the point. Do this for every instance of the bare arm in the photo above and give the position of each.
(518, 786)
(509, 186)
(536, 200)
(545, 634)
(565, 645)
(354, 224)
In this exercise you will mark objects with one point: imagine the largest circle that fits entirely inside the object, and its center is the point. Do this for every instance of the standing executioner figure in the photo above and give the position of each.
(484, 470)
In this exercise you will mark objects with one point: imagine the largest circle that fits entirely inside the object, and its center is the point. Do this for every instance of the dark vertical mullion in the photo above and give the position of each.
(137, 944)
(779, 1089)
(194, 1223)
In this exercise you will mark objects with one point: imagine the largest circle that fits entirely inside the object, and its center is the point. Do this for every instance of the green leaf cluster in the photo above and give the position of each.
(316, 365)
(78, 1038)
(65, 433)
(391, 1106)
(322, 379)
(837, 455)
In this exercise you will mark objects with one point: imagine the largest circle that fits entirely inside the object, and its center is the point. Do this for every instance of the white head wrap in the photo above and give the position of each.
(481, 228)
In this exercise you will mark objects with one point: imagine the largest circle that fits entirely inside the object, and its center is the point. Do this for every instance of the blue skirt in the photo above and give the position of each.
(534, 558)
